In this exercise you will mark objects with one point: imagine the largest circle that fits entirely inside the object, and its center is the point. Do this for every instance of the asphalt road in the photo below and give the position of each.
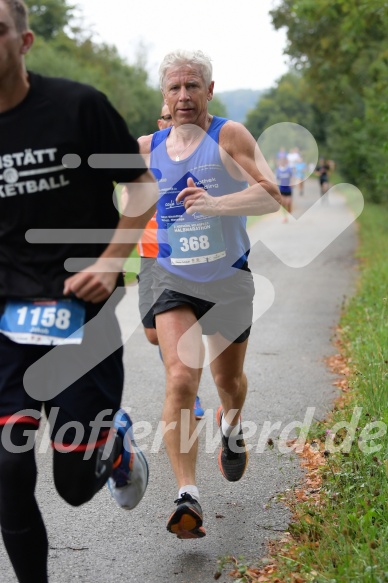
(288, 379)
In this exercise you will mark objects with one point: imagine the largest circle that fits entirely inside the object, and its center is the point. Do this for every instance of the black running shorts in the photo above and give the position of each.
(224, 306)
(93, 398)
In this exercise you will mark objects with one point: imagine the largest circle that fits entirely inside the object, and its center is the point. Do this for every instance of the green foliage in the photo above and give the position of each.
(216, 107)
(99, 65)
(343, 536)
(62, 49)
(288, 102)
(341, 48)
(359, 509)
(48, 17)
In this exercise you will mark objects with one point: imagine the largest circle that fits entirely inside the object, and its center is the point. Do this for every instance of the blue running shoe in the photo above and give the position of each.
(129, 479)
(198, 411)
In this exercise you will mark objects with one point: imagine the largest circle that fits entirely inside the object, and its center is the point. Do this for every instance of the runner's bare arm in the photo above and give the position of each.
(244, 161)
(145, 145)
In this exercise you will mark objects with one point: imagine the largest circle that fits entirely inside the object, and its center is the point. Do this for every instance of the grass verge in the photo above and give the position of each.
(339, 532)
(131, 267)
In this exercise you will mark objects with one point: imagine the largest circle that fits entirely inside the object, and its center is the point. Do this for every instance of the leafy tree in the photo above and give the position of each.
(341, 47)
(216, 107)
(56, 53)
(287, 102)
(48, 17)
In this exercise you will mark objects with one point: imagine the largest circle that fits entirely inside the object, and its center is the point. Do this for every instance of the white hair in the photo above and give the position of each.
(192, 58)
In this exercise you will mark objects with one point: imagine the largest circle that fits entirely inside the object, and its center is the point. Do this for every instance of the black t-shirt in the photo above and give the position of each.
(323, 171)
(37, 191)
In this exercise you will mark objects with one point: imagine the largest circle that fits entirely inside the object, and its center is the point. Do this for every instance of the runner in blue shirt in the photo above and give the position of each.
(211, 174)
(284, 175)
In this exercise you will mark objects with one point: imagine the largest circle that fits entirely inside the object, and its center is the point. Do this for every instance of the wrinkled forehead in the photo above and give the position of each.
(182, 73)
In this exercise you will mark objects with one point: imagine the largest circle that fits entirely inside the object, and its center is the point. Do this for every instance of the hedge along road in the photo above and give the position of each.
(288, 382)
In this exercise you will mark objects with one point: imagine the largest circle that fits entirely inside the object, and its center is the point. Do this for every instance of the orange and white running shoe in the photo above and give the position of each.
(186, 520)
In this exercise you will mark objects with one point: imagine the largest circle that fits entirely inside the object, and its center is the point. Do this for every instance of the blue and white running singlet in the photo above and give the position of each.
(197, 247)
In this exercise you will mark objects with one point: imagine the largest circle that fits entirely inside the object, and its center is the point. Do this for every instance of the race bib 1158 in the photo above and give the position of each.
(43, 322)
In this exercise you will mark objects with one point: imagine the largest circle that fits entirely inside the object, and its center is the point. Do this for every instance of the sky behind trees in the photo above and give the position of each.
(246, 50)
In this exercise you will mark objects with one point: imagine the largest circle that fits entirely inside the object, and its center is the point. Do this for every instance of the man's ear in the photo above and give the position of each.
(28, 40)
(210, 91)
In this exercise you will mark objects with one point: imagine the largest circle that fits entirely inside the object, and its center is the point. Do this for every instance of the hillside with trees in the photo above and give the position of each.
(339, 89)
(239, 102)
(63, 49)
